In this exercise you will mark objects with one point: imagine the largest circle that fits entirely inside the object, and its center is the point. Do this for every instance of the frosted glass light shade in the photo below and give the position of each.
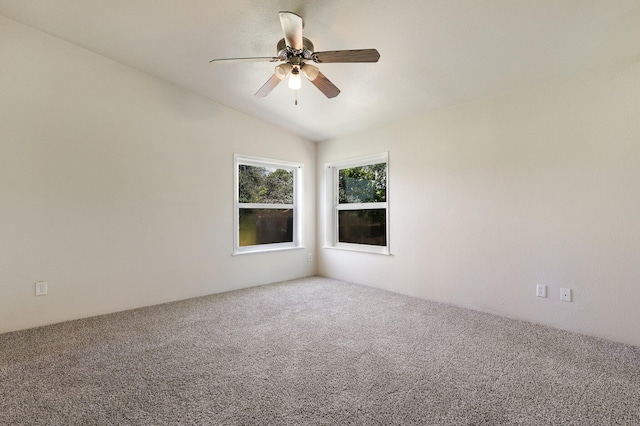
(295, 82)
(310, 71)
(283, 70)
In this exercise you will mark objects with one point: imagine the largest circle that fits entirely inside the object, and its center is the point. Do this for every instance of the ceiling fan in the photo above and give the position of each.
(295, 52)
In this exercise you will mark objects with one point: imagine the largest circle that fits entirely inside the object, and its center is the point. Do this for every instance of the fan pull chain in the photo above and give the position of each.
(296, 102)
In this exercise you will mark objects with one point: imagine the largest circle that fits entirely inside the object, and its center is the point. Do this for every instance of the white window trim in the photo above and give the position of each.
(332, 205)
(297, 169)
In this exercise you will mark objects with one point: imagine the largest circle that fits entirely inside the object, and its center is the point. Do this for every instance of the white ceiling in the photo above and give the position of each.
(434, 53)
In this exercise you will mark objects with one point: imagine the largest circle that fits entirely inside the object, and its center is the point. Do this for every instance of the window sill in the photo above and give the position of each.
(360, 249)
(266, 250)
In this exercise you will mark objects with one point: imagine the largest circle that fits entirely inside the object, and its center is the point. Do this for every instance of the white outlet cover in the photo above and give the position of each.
(41, 288)
(541, 290)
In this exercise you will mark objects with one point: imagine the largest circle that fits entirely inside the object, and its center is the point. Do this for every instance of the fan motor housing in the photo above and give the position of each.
(306, 45)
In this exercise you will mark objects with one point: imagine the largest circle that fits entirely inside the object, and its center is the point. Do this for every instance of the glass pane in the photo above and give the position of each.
(264, 185)
(363, 226)
(265, 226)
(364, 184)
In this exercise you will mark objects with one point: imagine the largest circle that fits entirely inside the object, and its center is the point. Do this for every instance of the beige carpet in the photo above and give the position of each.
(313, 351)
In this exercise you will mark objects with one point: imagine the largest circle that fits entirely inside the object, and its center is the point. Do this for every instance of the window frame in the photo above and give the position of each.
(334, 206)
(297, 169)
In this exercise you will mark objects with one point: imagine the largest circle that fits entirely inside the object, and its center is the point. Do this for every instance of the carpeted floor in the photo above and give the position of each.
(313, 351)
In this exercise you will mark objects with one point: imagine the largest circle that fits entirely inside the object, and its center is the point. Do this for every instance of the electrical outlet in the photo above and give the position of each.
(565, 294)
(541, 290)
(309, 257)
(41, 288)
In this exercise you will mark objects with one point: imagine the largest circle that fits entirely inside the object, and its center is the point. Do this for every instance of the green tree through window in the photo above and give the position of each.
(261, 185)
(364, 184)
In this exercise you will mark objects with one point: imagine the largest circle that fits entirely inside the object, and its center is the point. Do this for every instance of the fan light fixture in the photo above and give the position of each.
(295, 82)
(310, 72)
(283, 70)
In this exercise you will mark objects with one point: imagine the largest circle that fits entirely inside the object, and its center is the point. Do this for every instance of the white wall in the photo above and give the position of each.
(117, 188)
(490, 198)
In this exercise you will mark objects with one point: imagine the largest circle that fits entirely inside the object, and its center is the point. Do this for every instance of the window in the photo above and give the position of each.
(267, 204)
(358, 213)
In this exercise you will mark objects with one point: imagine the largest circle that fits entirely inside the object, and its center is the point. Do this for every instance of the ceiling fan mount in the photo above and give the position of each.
(295, 51)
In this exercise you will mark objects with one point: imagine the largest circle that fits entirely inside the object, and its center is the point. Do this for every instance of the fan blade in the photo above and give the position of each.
(254, 59)
(292, 29)
(268, 86)
(360, 55)
(328, 88)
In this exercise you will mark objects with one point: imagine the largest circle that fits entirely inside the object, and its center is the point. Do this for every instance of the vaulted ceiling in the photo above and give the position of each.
(434, 53)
